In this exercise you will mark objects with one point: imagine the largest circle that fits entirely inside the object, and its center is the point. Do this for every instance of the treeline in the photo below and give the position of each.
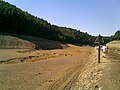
(14, 20)
(116, 36)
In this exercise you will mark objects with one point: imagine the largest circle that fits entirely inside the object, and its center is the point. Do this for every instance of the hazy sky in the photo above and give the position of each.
(92, 16)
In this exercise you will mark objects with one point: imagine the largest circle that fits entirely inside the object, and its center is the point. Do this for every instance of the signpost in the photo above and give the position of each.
(98, 41)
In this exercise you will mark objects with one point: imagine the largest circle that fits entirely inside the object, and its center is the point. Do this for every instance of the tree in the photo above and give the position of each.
(14, 20)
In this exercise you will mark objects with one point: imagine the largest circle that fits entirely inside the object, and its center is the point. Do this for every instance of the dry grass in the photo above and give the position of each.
(114, 44)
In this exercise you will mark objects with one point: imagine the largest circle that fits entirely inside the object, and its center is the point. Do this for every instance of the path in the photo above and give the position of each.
(111, 70)
(103, 76)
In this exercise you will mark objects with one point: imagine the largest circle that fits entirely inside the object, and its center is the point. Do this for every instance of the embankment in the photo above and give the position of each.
(14, 41)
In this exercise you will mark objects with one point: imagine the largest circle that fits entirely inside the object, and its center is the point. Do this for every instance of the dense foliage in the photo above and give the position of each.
(117, 35)
(14, 20)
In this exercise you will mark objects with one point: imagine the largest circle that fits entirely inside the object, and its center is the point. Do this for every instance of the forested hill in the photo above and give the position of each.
(116, 36)
(14, 20)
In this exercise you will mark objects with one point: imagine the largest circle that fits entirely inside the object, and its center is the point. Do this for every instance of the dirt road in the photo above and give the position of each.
(50, 70)
(111, 70)
(103, 76)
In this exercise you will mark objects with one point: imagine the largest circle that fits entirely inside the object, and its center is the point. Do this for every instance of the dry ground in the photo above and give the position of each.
(111, 70)
(73, 68)
(103, 76)
(42, 69)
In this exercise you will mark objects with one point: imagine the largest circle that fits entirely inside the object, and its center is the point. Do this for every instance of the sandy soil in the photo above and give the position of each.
(111, 70)
(42, 69)
(73, 68)
(103, 76)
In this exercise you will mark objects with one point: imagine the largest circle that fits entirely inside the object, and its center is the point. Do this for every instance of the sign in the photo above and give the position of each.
(99, 41)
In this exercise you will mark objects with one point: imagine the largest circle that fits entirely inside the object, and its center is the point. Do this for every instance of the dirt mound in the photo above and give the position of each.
(10, 41)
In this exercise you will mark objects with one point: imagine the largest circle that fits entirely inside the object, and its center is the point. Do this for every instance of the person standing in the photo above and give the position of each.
(104, 50)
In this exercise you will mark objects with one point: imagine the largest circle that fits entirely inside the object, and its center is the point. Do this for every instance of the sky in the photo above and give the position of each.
(91, 16)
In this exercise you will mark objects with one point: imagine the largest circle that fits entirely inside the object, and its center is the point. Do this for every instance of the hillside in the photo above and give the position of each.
(114, 44)
(27, 42)
(116, 36)
(14, 20)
